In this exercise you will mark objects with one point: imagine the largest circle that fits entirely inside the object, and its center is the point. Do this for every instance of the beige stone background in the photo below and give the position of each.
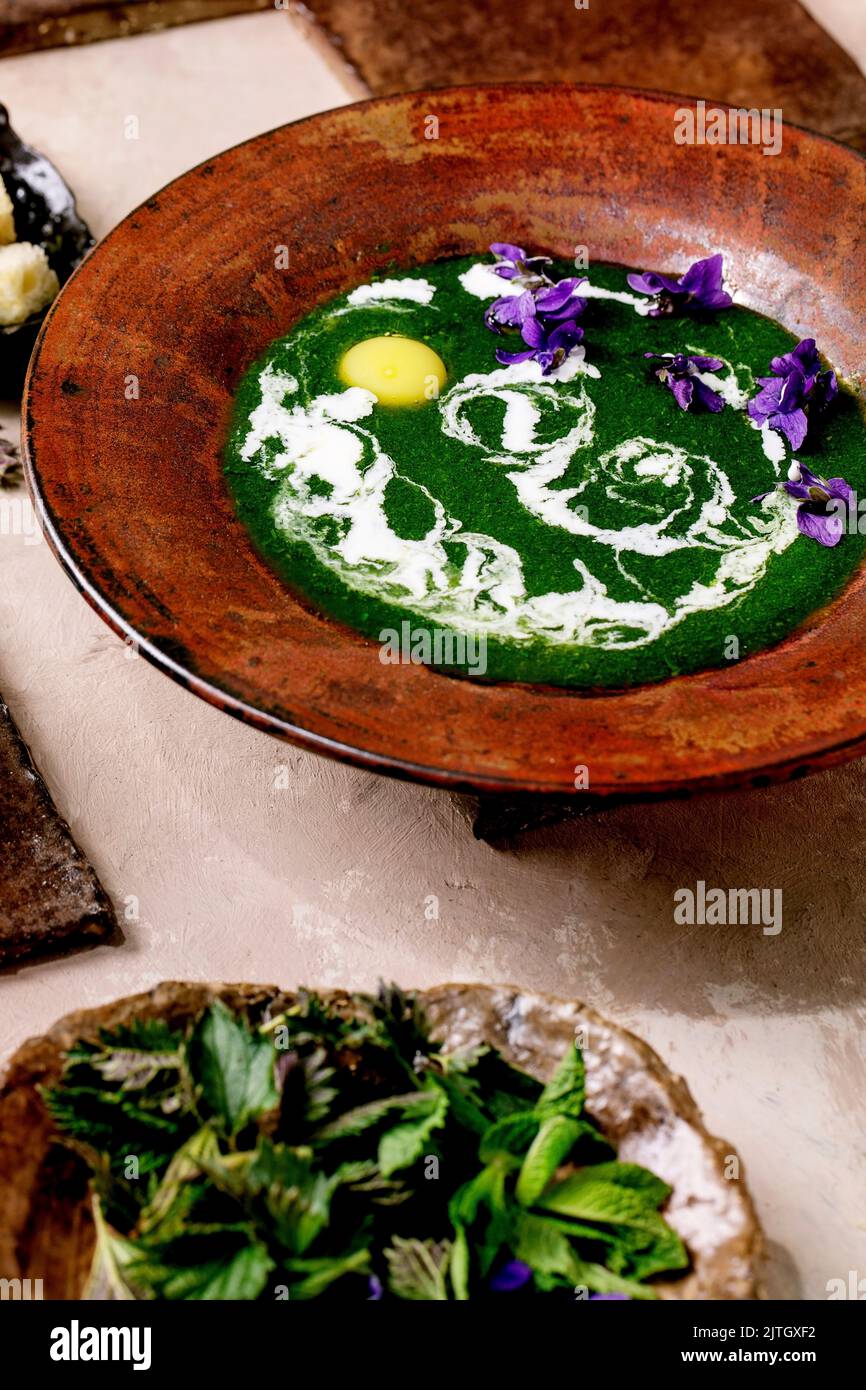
(221, 875)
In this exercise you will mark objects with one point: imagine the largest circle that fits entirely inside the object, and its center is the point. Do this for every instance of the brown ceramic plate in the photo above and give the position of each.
(184, 294)
(644, 1110)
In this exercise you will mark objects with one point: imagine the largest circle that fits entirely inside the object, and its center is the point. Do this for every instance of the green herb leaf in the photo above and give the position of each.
(107, 1280)
(318, 1275)
(550, 1147)
(241, 1274)
(589, 1197)
(362, 1117)
(565, 1093)
(545, 1248)
(509, 1138)
(234, 1066)
(417, 1269)
(404, 1144)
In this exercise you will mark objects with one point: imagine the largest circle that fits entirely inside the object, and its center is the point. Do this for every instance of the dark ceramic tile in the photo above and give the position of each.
(26, 25)
(50, 898)
(770, 53)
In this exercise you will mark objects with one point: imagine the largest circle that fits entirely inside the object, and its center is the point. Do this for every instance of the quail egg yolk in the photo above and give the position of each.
(398, 371)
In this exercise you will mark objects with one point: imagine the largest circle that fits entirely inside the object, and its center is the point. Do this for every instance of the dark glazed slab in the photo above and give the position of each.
(50, 898)
(746, 52)
(646, 1112)
(132, 490)
(26, 25)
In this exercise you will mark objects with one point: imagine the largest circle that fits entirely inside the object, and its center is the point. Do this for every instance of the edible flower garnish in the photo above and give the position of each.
(798, 386)
(699, 289)
(680, 374)
(554, 303)
(512, 1276)
(544, 313)
(549, 345)
(514, 264)
(818, 514)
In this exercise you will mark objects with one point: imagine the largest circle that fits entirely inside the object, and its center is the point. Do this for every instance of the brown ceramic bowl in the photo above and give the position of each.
(184, 294)
(646, 1112)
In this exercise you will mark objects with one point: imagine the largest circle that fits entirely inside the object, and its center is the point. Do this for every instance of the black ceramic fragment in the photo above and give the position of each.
(46, 215)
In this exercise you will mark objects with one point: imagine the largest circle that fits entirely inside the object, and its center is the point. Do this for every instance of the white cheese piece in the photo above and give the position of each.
(27, 282)
(7, 220)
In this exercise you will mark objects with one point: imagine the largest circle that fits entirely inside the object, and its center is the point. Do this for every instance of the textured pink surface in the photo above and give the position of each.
(231, 857)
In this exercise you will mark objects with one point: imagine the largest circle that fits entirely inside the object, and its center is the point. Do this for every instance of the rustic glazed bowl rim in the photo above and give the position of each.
(802, 757)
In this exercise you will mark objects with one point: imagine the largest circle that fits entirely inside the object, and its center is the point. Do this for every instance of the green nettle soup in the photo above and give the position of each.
(573, 525)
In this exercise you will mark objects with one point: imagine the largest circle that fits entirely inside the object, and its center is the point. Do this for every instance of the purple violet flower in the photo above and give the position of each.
(680, 375)
(512, 1276)
(561, 301)
(554, 302)
(510, 311)
(699, 289)
(547, 346)
(543, 314)
(374, 1287)
(514, 264)
(818, 515)
(595, 1296)
(797, 383)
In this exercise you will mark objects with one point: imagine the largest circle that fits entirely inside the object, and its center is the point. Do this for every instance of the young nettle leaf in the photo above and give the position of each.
(134, 1070)
(239, 1274)
(140, 1035)
(292, 1191)
(405, 1143)
(320, 1092)
(401, 1023)
(417, 1269)
(234, 1068)
(108, 1279)
(504, 1089)
(179, 1189)
(363, 1117)
(462, 1093)
(317, 1275)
